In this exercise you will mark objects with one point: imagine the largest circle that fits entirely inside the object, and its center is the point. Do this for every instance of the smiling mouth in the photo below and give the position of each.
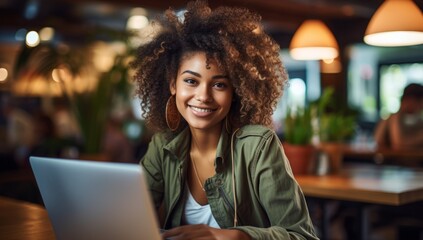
(203, 110)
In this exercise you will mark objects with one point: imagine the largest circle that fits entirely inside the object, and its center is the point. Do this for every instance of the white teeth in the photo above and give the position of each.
(201, 109)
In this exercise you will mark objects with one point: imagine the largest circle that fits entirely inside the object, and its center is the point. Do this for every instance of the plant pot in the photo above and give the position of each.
(300, 157)
(334, 151)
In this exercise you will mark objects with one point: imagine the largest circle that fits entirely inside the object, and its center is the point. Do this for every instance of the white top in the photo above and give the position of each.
(198, 214)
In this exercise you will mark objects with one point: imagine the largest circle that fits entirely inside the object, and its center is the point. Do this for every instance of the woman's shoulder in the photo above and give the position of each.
(252, 136)
(171, 141)
(160, 139)
(156, 145)
(255, 142)
(259, 131)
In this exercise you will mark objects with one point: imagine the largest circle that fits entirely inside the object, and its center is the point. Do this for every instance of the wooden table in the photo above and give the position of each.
(367, 184)
(391, 185)
(22, 220)
(410, 158)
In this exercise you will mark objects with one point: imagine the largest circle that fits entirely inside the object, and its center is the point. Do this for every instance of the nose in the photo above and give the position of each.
(203, 94)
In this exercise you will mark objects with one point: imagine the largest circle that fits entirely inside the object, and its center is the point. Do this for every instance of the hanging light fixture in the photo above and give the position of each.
(313, 41)
(395, 23)
(330, 66)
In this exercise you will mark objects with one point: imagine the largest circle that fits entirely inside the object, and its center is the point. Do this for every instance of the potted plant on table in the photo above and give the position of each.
(297, 139)
(336, 126)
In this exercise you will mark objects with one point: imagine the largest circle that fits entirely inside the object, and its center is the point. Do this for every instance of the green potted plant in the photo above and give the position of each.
(298, 127)
(336, 126)
(297, 139)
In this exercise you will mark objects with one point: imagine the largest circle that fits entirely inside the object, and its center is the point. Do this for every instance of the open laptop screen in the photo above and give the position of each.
(95, 200)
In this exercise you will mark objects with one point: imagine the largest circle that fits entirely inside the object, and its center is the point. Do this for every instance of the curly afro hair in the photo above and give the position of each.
(233, 37)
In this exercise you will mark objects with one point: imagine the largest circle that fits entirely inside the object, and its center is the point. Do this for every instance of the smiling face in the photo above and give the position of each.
(203, 95)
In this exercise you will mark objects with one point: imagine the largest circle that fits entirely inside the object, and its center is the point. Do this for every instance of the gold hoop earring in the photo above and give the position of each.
(173, 118)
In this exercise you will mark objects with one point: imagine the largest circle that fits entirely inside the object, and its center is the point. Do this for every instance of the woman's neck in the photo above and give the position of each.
(205, 141)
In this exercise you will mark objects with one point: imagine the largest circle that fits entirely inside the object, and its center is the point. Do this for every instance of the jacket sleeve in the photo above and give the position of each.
(151, 164)
(279, 195)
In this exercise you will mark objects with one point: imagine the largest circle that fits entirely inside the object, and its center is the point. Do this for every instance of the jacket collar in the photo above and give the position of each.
(179, 147)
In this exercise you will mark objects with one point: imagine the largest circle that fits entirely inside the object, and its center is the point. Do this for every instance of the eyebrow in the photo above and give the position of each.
(199, 75)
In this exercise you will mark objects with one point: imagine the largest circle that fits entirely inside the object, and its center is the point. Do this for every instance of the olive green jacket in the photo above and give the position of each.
(270, 204)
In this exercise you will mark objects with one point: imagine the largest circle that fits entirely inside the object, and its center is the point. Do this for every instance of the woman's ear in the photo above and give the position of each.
(172, 87)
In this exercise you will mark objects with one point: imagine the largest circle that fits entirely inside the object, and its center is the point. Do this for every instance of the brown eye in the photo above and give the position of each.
(190, 81)
(220, 85)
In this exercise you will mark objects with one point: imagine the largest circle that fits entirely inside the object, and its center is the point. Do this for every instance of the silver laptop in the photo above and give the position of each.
(89, 200)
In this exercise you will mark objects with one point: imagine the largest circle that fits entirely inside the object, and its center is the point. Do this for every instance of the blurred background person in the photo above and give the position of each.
(403, 130)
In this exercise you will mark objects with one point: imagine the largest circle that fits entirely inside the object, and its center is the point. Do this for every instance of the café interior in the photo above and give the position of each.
(66, 91)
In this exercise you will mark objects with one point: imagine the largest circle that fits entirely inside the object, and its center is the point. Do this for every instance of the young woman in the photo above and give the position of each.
(209, 82)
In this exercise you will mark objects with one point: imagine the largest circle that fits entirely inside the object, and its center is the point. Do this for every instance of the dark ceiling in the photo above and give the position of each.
(75, 19)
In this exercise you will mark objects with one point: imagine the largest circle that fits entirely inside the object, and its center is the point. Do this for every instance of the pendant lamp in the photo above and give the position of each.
(330, 66)
(313, 41)
(395, 23)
